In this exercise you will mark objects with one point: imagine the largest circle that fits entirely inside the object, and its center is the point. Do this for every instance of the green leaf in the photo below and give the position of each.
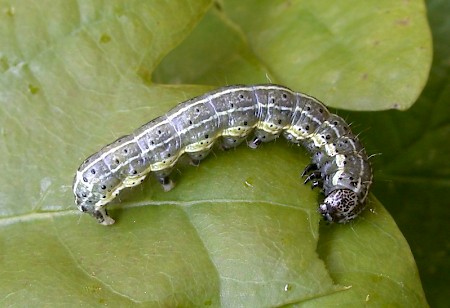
(239, 230)
(356, 55)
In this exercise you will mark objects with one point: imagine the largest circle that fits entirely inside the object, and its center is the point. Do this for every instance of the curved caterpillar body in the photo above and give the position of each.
(339, 165)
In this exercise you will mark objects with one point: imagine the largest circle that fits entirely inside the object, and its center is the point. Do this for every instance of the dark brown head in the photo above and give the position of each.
(341, 206)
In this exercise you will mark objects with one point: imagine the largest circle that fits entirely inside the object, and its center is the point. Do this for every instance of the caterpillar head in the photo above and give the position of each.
(341, 206)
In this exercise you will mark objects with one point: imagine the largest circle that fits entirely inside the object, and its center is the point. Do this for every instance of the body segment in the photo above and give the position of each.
(339, 163)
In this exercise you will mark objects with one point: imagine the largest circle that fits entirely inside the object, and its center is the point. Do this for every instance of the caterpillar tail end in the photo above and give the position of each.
(102, 217)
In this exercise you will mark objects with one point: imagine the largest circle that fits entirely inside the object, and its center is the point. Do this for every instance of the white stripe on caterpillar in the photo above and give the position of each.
(339, 165)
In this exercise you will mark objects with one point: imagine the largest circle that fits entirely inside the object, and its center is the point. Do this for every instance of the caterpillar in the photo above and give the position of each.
(340, 165)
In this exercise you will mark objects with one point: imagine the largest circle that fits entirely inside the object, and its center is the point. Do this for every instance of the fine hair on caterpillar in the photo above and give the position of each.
(339, 167)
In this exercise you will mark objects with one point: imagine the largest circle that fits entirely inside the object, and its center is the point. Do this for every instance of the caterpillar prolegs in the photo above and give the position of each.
(339, 166)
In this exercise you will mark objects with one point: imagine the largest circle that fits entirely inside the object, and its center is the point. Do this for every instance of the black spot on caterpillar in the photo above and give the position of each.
(339, 166)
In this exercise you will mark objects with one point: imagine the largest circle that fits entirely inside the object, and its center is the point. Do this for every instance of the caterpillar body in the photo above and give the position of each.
(340, 166)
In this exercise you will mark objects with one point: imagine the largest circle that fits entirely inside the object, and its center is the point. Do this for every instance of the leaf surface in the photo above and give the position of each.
(239, 230)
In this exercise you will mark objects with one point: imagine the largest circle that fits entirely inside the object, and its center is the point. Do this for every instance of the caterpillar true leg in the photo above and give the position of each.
(313, 176)
(309, 168)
